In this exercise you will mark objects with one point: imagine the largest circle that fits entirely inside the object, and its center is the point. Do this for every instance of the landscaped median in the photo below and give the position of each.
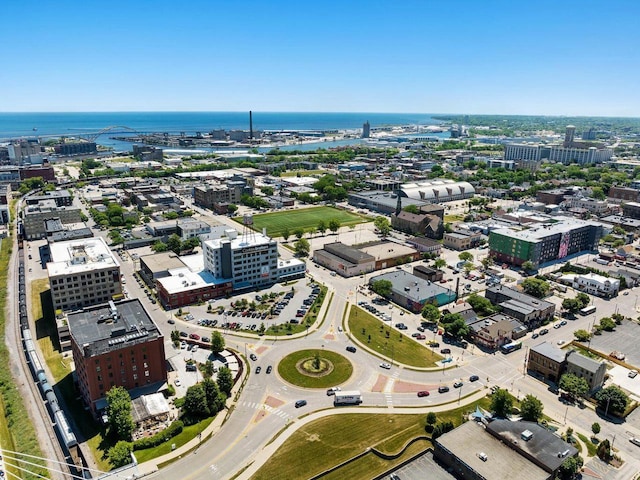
(315, 368)
(381, 338)
(329, 441)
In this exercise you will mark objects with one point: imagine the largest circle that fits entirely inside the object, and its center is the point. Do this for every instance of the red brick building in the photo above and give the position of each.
(116, 344)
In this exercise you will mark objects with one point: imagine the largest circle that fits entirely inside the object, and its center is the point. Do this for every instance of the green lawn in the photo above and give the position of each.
(341, 372)
(373, 332)
(305, 218)
(187, 434)
(329, 441)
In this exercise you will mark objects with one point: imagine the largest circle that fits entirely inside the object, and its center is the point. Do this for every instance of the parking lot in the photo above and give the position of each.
(624, 339)
(185, 376)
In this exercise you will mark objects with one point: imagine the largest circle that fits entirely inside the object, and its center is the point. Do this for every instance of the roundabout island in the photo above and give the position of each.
(315, 368)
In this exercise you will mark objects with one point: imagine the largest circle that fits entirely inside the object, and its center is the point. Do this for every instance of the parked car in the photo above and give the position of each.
(184, 334)
(258, 369)
(535, 335)
(458, 384)
(474, 378)
(633, 373)
(194, 336)
(423, 393)
(445, 351)
(544, 331)
(269, 368)
(333, 390)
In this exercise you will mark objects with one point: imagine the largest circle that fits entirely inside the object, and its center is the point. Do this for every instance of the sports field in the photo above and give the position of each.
(305, 218)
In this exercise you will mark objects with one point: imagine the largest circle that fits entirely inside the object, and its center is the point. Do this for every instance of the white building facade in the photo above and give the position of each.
(83, 273)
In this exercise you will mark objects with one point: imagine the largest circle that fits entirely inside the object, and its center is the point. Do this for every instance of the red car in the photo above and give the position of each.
(420, 337)
(423, 393)
(194, 336)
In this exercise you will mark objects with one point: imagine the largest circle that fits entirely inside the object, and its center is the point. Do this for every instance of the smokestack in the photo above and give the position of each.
(250, 125)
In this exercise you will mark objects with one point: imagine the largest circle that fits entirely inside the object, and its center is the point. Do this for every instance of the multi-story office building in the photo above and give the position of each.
(581, 156)
(591, 370)
(249, 260)
(624, 194)
(525, 151)
(83, 273)
(192, 228)
(217, 195)
(461, 239)
(631, 210)
(35, 217)
(543, 243)
(115, 345)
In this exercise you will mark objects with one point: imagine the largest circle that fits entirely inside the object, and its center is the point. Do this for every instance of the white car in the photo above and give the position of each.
(178, 382)
(183, 345)
(632, 373)
(385, 365)
(635, 441)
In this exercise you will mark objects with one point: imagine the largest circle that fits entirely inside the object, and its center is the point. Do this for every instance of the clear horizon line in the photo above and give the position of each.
(314, 112)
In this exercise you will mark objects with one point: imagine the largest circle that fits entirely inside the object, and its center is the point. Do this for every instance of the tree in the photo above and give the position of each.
(607, 324)
(215, 399)
(575, 386)
(411, 209)
(383, 225)
(535, 287)
(382, 287)
(582, 335)
(584, 299)
(120, 454)
(598, 193)
(217, 342)
(528, 266)
(175, 337)
(501, 403)
(232, 208)
(612, 399)
(174, 243)
(302, 247)
(225, 380)
(195, 403)
(430, 313)
(119, 413)
(604, 450)
(465, 257)
(299, 233)
(439, 263)
(431, 418)
(571, 305)
(531, 408)
(268, 191)
(209, 369)
(159, 246)
(286, 234)
(481, 305)
(322, 227)
(595, 428)
(458, 329)
(570, 467)
(334, 225)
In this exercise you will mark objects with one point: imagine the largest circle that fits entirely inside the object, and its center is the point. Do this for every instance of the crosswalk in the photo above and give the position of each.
(261, 406)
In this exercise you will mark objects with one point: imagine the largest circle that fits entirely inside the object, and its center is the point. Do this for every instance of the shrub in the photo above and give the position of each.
(171, 431)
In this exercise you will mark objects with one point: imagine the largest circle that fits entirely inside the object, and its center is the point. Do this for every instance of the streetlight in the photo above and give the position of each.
(459, 395)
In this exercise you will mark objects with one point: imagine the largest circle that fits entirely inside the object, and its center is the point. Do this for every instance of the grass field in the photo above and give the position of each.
(305, 218)
(329, 441)
(372, 332)
(186, 435)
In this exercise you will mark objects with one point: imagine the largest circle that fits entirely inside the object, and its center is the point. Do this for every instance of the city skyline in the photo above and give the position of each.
(574, 59)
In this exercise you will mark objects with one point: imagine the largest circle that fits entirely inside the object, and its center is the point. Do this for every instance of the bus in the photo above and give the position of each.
(588, 310)
(511, 347)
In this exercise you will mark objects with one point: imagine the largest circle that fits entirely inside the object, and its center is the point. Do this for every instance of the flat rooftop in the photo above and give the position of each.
(97, 330)
(388, 250)
(412, 287)
(159, 262)
(470, 439)
(541, 231)
(183, 280)
(548, 350)
(79, 256)
(242, 241)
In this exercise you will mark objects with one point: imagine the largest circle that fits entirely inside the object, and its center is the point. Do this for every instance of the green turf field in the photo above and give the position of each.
(305, 218)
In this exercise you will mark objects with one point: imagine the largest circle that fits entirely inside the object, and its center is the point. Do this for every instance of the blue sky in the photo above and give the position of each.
(502, 57)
